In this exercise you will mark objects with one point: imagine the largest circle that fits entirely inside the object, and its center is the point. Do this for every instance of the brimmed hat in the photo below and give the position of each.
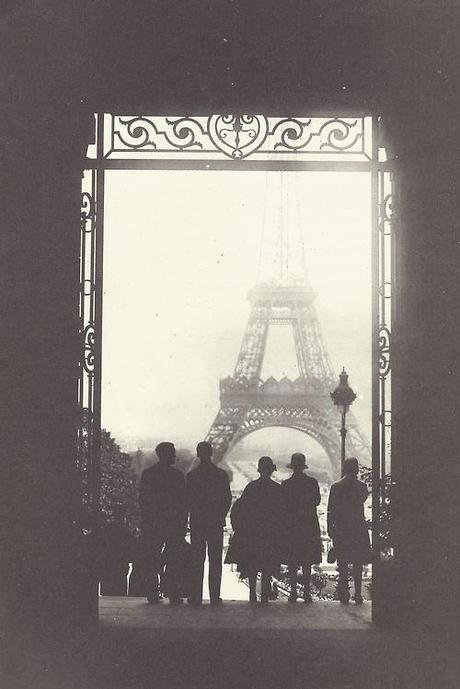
(298, 460)
(265, 463)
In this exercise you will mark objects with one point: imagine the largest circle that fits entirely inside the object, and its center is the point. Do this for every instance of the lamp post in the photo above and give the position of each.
(342, 397)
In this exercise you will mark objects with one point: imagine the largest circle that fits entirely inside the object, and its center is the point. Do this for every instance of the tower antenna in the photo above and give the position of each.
(298, 222)
(262, 233)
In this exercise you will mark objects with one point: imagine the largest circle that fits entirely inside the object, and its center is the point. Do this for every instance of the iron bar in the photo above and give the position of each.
(237, 165)
(376, 449)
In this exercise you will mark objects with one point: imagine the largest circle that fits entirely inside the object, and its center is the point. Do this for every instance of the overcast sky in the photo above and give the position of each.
(181, 250)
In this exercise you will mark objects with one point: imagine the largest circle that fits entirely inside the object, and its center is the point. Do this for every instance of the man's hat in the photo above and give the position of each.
(266, 463)
(298, 461)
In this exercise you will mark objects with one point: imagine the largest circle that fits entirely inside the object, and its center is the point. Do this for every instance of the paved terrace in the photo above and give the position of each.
(324, 645)
(235, 616)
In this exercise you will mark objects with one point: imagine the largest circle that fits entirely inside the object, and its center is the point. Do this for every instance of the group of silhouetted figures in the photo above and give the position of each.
(273, 524)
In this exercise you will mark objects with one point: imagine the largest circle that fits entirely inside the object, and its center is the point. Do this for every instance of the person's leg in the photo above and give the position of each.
(292, 574)
(265, 587)
(152, 545)
(306, 571)
(344, 595)
(173, 568)
(273, 594)
(252, 579)
(358, 581)
(198, 541)
(215, 550)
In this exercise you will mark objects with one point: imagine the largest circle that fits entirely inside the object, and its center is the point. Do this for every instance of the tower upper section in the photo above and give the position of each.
(272, 294)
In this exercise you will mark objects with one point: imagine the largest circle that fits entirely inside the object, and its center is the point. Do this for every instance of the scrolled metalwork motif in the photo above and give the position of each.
(237, 135)
(89, 346)
(339, 135)
(185, 133)
(139, 132)
(387, 208)
(386, 214)
(292, 134)
(87, 207)
(384, 337)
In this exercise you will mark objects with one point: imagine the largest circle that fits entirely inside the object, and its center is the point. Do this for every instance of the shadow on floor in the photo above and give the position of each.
(237, 646)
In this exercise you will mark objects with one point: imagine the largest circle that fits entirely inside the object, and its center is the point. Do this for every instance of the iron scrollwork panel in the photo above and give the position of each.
(384, 182)
(86, 451)
(237, 136)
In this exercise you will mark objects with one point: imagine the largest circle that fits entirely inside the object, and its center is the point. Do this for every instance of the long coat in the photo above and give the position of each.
(162, 501)
(209, 498)
(346, 523)
(302, 536)
(256, 519)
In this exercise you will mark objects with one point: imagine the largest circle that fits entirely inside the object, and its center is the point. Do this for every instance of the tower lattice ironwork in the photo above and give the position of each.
(248, 403)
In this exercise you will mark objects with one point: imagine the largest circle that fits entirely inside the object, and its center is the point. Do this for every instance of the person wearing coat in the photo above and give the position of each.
(209, 498)
(300, 497)
(162, 500)
(237, 551)
(256, 517)
(347, 528)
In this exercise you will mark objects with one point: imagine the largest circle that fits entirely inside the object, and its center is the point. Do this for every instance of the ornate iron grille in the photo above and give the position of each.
(90, 326)
(237, 136)
(383, 286)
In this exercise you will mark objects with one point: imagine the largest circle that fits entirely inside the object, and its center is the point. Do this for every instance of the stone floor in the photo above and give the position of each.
(234, 616)
(324, 645)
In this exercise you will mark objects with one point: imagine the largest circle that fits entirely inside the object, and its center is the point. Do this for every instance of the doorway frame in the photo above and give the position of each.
(239, 153)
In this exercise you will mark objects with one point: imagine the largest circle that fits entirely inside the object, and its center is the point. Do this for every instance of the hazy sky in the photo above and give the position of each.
(181, 250)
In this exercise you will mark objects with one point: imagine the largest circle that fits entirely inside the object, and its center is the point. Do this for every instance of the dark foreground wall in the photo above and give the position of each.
(59, 65)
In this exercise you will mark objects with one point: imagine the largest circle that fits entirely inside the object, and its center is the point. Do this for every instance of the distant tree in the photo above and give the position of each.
(386, 517)
(141, 460)
(118, 483)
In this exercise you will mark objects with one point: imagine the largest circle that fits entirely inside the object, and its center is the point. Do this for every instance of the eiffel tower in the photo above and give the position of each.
(248, 403)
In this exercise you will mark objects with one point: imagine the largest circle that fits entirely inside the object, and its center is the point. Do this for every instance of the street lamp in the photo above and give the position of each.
(342, 397)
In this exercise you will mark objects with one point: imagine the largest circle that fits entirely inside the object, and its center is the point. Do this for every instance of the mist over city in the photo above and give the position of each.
(176, 309)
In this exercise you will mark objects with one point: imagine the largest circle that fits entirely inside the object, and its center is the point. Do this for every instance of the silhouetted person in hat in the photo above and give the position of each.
(259, 517)
(209, 498)
(347, 527)
(164, 516)
(302, 540)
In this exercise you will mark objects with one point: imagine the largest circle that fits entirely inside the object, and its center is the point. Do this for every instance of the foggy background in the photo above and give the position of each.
(181, 251)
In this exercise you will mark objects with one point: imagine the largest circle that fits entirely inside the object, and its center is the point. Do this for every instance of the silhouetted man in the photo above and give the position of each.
(209, 499)
(346, 525)
(302, 541)
(164, 517)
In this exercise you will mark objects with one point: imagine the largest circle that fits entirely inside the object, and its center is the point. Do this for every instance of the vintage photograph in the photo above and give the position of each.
(230, 344)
